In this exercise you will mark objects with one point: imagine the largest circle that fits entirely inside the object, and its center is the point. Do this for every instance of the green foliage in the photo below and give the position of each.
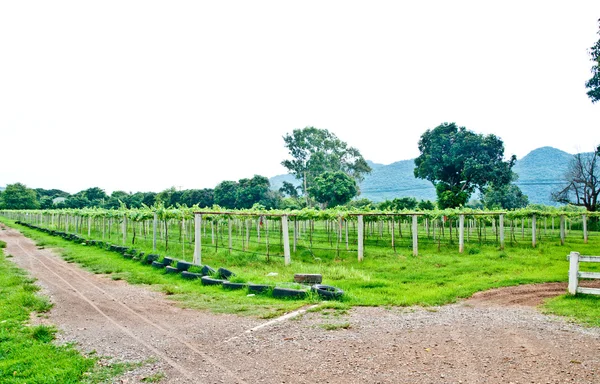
(26, 353)
(226, 194)
(315, 151)
(18, 196)
(245, 193)
(593, 84)
(426, 205)
(581, 308)
(458, 161)
(289, 189)
(507, 196)
(333, 188)
(398, 204)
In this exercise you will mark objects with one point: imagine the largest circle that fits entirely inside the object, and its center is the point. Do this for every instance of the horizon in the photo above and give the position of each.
(248, 176)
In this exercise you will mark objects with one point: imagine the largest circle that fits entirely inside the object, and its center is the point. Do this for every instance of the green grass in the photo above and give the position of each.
(335, 326)
(27, 354)
(386, 276)
(580, 308)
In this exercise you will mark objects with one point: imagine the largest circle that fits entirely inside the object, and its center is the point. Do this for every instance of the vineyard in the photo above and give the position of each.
(191, 234)
(376, 257)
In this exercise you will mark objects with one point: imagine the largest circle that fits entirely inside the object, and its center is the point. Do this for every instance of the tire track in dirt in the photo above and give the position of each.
(68, 280)
(161, 328)
(116, 323)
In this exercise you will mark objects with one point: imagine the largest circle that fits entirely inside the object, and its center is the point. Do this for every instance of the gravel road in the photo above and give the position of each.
(496, 337)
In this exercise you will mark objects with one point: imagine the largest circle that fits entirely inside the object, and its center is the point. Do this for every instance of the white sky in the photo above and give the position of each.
(145, 95)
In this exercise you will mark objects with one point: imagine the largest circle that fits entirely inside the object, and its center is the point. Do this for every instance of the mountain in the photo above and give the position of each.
(540, 172)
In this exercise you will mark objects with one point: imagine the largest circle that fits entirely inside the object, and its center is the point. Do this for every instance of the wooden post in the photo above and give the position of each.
(124, 228)
(501, 224)
(573, 272)
(90, 226)
(393, 239)
(229, 234)
(154, 226)
(286, 240)
(533, 229)
(197, 239)
(415, 236)
(295, 234)
(361, 228)
(562, 229)
(461, 233)
(585, 232)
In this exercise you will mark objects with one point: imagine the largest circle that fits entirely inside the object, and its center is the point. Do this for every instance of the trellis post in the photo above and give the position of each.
(533, 230)
(197, 239)
(229, 234)
(585, 232)
(154, 225)
(124, 228)
(501, 224)
(415, 236)
(286, 240)
(360, 237)
(461, 233)
(562, 229)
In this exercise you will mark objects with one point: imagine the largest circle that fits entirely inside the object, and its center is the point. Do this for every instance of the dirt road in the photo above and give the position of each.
(493, 338)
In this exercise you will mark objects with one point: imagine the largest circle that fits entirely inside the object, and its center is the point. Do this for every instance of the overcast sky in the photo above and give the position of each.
(145, 95)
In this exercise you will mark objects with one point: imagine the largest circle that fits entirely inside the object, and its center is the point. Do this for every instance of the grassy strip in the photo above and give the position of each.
(583, 309)
(27, 354)
(437, 276)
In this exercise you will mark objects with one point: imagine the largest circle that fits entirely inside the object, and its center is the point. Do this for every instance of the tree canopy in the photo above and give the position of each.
(18, 196)
(458, 161)
(593, 84)
(333, 188)
(315, 151)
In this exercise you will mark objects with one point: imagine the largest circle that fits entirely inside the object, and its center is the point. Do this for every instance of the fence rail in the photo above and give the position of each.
(575, 274)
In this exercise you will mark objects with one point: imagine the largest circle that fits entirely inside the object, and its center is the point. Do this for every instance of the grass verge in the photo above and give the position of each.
(27, 354)
(584, 309)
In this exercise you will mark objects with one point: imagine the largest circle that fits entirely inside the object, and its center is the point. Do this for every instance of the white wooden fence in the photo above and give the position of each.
(574, 274)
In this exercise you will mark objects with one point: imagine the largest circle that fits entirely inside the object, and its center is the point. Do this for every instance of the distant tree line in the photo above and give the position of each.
(458, 162)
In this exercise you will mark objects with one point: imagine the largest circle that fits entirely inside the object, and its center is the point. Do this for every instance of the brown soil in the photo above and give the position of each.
(495, 337)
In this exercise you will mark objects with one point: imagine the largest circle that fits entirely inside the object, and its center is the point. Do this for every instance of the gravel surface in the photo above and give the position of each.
(495, 337)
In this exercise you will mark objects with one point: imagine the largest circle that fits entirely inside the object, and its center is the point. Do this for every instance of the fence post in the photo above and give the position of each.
(533, 229)
(197, 238)
(585, 232)
(229, 223)
(461, 233)
(154, 225)
(501, 223)
(286, 240)
(360, 237)
(415, 236)
(124, 227)
(573, 272)
(562, 229)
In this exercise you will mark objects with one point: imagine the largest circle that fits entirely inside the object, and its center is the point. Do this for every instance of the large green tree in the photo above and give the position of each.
(315, 151)
(18, 196)
(333, 188)
(593, 84)
(458, 162)
(226, 194)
